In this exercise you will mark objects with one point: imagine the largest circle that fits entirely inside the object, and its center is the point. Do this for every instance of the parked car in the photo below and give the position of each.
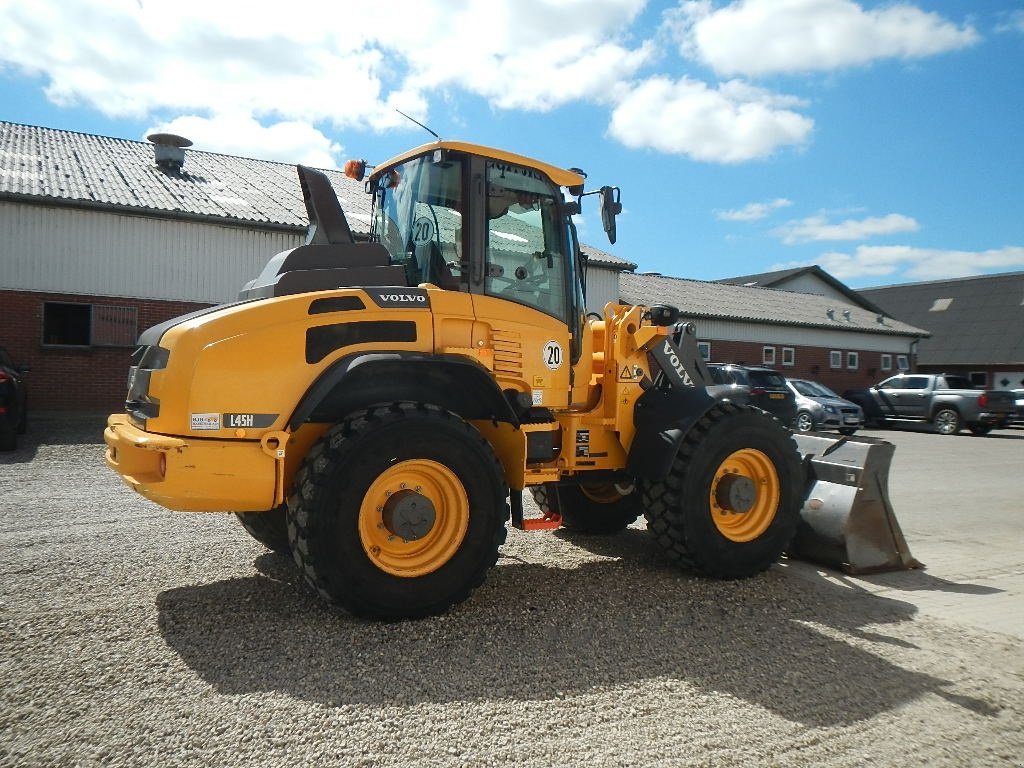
(13, 402)
(1018, 411)
(818, 407)
(946, 400)
(761, 387)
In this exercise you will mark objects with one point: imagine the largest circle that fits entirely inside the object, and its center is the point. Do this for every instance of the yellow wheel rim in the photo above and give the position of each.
(745, 495)
(413, 518)
(603, 493)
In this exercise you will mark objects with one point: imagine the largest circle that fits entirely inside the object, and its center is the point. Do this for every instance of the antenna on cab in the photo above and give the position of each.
(421, 125)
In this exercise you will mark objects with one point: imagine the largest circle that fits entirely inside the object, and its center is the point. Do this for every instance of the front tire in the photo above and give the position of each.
(398, 512)
(598, 508)
(729, 506)
(946, 421)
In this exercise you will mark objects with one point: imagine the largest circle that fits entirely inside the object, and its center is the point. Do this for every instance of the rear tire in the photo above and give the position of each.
(398, 512)
(268, 528)
(729, 506)
(979, 429)
(847, 431)
(946, 421)
(598, 508)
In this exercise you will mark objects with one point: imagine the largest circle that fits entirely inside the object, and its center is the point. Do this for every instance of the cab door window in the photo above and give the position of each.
(525, 252)
(418, 218)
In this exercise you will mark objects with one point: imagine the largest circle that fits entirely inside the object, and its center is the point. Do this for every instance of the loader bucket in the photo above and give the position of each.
(847, 519)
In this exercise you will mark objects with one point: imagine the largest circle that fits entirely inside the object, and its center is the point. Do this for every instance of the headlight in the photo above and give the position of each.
(831, 409)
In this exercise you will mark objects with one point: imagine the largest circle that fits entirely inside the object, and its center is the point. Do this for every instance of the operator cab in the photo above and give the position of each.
(479, 220)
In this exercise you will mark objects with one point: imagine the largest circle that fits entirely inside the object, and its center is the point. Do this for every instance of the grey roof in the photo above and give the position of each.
(601, 258)
(973, 320)
(64, 167)
(779, 278)
(80, 169)
(723, 301)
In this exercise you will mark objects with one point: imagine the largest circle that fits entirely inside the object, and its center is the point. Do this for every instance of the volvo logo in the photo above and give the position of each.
(404, 297)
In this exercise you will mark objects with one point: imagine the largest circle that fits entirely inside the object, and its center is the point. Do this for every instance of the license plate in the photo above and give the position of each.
(852, 420)
(776, 396)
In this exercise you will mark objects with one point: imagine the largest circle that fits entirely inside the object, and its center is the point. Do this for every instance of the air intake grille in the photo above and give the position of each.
(508, 353)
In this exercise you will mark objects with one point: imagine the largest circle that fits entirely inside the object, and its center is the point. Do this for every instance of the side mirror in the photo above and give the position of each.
(610, 208)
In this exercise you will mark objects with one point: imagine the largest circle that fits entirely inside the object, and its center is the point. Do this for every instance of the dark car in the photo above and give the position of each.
(762, 387)
(818, 407)
(13, 402)
(1018, 406)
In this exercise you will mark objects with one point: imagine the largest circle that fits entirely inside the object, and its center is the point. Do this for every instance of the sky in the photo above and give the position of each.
(882, 141)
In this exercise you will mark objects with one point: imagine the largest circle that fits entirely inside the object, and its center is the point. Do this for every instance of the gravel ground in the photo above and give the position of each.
(130, 635)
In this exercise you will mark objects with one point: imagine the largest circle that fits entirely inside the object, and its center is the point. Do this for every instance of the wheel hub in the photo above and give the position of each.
(409, 515)
(736, 493)
(745, 494)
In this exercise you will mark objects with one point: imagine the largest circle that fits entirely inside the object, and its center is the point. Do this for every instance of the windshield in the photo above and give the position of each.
(805, 388)
(418, 219)
(526, 259)
(812, 389)
(767, 379)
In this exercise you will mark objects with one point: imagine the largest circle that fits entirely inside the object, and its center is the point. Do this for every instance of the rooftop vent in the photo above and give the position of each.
(169, 150)
(846, 316)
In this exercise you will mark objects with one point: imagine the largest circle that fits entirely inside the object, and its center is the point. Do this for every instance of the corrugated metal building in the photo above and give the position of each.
(101, 238)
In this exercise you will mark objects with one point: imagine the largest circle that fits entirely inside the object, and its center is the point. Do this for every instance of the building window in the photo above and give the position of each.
(978, 379)
(85, 325)
(768, 355)
(886, 363)
(788, 356)
(852, 360)
(903, 362)
(835, 359)
(114, 326)
(704, 347)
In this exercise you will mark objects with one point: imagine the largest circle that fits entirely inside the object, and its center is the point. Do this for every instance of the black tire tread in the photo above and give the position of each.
(585, 516)
(268, 528)
(666, 518)
(320, 464)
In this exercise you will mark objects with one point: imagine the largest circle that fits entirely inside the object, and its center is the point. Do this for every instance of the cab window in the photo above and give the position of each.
(418, 218)
(526, 260)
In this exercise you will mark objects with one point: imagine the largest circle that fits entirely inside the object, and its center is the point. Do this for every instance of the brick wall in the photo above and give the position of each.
(74, 378)
(812, 363)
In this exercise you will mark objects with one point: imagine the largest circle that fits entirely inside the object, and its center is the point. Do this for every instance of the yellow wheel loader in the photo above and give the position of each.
(378, 408)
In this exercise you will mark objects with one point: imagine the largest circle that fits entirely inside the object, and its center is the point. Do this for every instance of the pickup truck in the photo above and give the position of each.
(947, 401)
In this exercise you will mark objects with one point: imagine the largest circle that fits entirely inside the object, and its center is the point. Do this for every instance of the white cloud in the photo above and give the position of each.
(733, 123)
(763, 37)
(346, 64)
(880, 261)
(818, 228)
(1012, 22)
(287, 141)
(753, 211)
